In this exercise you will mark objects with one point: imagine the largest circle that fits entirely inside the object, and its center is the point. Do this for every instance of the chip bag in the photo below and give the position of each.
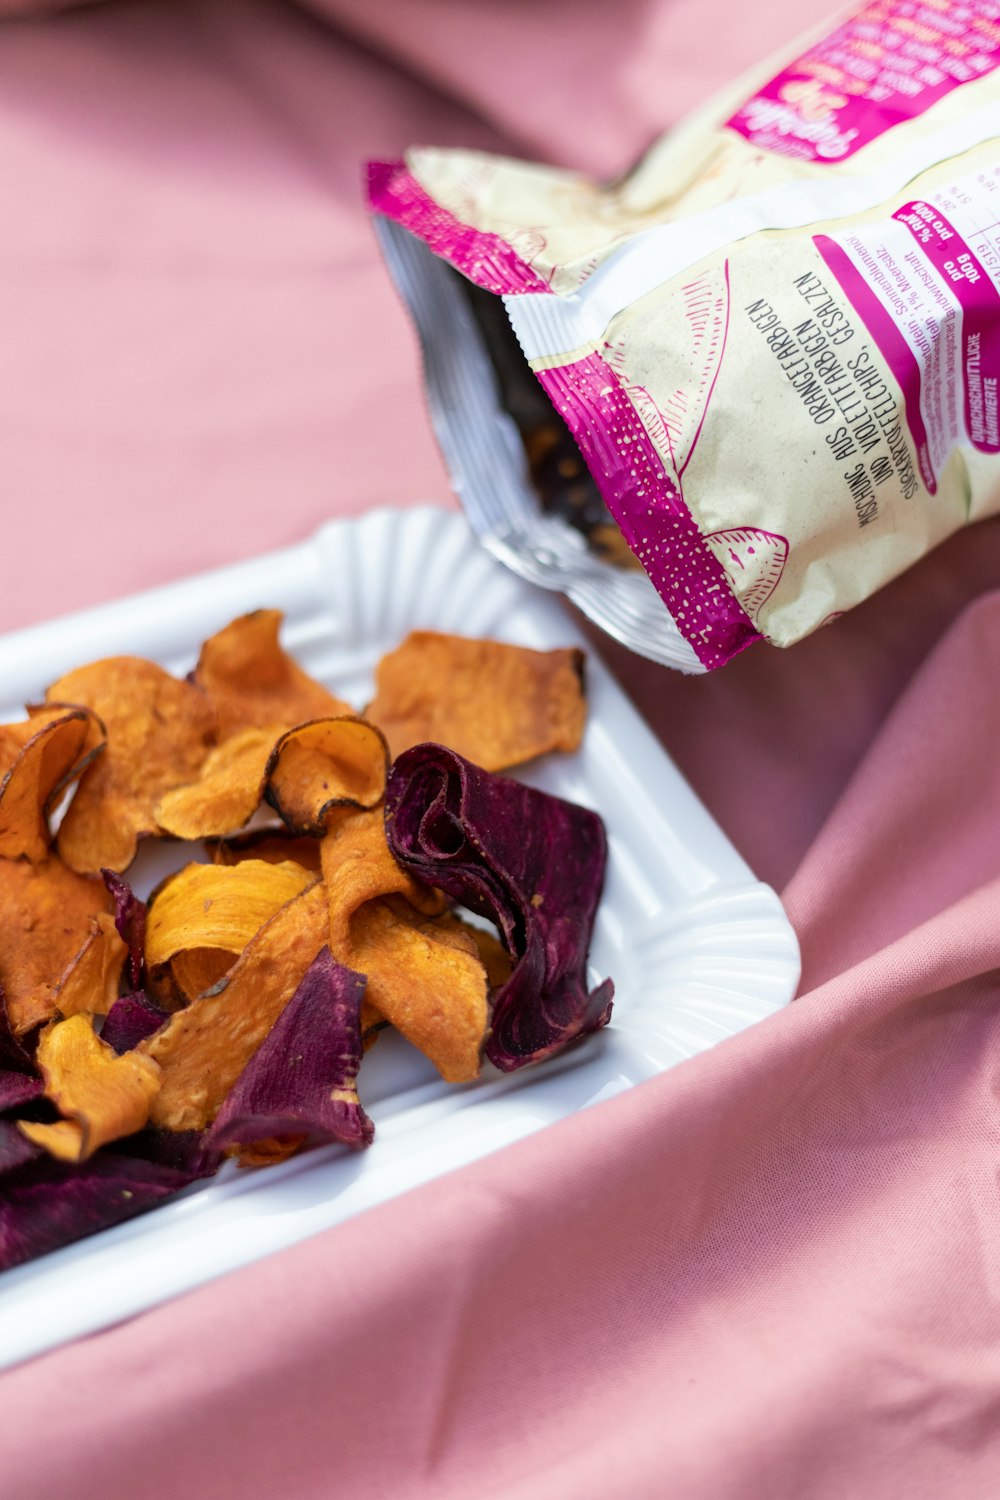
(776, 342)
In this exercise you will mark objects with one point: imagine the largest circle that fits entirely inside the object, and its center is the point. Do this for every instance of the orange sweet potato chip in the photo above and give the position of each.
(305, 770)
(201, 919)
(269, 1152)
(274, 846)
(103, 1096)
(495, 958)
(47, 914)
(38, 759)
(253, 682)
(326, 764)
(159, 731)
(497, 705)
(358, 867)
(90, 983)
(228, 790)
(425, 976)
(192, 973)
(202, 1050)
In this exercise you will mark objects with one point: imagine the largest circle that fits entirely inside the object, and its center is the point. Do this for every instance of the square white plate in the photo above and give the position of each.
(698, 949)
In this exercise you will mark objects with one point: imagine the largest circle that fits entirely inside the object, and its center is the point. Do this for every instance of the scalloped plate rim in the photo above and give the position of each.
(100, 1280)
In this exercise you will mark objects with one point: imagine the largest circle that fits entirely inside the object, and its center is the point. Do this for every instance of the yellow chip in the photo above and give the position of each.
(104, 1096)
(269, 1152)
(228, 790)
(358, 866)
(253, 682)
(204, 1049)
(38, 759)
(192, 972)
(47, 915)
(159, 732)
(495, 958)
(323, 765)
(305, 771)
(424, 976)
(274, 846)
(90, 984)
(201, 919)
(497, 705)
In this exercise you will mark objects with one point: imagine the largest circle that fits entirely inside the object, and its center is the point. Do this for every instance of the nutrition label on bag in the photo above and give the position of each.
(887, 64)
(926, 283)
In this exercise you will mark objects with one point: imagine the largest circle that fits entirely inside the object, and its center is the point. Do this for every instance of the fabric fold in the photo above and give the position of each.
(772, 1271)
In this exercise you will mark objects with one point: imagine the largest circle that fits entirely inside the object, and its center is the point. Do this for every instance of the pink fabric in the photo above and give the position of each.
(772, 1272)
(198, 325)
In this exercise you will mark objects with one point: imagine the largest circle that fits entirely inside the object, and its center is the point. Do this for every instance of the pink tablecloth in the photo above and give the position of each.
(772, 1273)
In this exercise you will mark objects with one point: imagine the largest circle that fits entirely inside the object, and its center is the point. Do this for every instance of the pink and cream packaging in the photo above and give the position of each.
(776, 342)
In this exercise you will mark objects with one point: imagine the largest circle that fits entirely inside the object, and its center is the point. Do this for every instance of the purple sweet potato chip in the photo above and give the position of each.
(130, 920)
(130, 1020)
(183, 1150)
(14, 1053)
(17, 1089)
(45, 1204)
(15, 1148)
(533, 864)
(302, 1079)
(20, 1082)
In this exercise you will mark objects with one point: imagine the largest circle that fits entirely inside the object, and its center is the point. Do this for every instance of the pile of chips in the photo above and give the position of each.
(139, 1045)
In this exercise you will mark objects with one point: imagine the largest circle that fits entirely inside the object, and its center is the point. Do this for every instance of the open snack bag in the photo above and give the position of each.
(775, 343)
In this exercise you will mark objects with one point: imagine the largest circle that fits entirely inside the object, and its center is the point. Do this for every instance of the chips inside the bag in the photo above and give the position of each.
(498, 705)
(204, 1049)
(102, 1095)
(772, 341)
(533, 864)
(253, 682)
(48, 911)
(38, 759)
(159, 732)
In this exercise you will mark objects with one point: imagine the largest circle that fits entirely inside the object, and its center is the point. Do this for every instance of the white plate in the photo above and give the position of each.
(697, 947)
